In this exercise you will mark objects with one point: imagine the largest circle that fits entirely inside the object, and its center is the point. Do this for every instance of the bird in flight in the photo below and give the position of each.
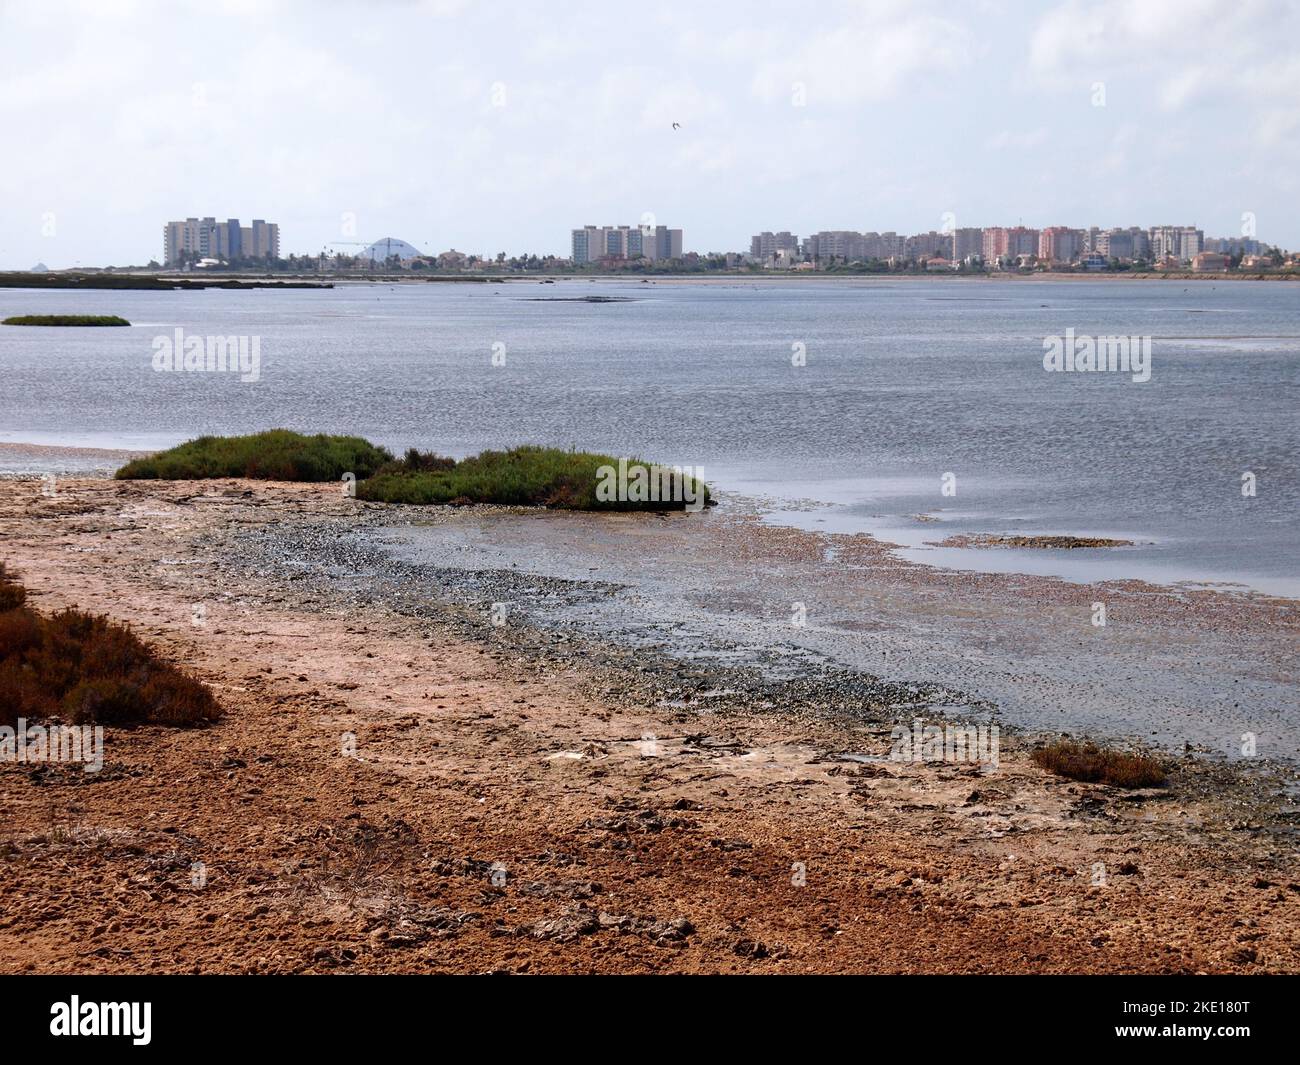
(677, 125)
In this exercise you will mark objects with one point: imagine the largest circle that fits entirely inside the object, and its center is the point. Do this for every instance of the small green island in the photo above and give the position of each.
(65, 319)
(536, 476)
(522, 476)
(275, 455)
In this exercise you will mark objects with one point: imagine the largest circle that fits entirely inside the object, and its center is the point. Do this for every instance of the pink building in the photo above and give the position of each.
(1059, 244)
(995, 243)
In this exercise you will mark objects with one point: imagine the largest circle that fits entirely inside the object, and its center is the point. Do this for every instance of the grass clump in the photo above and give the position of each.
(66, 319)
(276, 455)
(87, 670)
(535, 476)
(1095, 765)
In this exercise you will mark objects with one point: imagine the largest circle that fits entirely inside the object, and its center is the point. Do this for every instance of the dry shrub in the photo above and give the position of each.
(88, 670)
(1095, 765)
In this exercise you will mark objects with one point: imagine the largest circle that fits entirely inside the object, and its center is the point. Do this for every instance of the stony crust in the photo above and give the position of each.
(516, 808)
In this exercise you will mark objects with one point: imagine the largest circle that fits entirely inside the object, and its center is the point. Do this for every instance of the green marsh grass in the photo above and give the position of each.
(523, 476)
(65, 319)
(275, 455)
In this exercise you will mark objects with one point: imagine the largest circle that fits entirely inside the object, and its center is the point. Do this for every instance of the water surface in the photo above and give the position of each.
(904, 382)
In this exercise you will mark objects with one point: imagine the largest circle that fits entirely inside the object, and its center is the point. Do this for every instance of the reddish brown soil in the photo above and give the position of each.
(615, 853)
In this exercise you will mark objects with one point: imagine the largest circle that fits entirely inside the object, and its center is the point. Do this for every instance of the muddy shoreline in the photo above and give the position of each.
(523, 798)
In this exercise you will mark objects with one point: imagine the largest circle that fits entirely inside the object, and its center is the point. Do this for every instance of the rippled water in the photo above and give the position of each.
(904, 381)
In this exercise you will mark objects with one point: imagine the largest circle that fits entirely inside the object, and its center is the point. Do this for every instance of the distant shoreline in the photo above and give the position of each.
(153, 282)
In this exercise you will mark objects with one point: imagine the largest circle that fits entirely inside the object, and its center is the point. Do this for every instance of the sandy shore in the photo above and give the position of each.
(395, 790)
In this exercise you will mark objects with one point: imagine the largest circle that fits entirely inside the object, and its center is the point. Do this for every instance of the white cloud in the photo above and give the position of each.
(306, 110)
(872, 55)
(1010, 139)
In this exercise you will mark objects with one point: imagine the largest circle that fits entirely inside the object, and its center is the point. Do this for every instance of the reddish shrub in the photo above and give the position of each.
(1093, 764)
(12, 594)
(88, 670)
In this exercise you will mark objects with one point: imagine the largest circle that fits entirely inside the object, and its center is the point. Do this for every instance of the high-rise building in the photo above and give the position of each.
(1060, 244)
(846, 245)
(967, 243)
(1013, 242)
(928, 245)
(1182, 242)
(263, 242)
(835, 244)
(767, 245)
(1233, 245)
(1124, 244)
(196, 237)
(586, 244)
(230, 244)
(593, 243)
(1022, 241)
(1141, 242)
(872, 246)
(207, 238)
(995, 243)
(1115, 244)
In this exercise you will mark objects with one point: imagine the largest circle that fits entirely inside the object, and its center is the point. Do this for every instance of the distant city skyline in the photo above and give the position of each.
(529, 121)
(206, 239)
(1053, 244)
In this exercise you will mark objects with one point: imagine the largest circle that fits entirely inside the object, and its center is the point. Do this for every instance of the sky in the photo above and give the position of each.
(490, 127)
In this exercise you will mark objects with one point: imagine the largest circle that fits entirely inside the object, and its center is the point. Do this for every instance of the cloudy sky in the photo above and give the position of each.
(499, 126)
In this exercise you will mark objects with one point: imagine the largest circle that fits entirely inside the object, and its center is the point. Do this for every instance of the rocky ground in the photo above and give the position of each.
(399, 785)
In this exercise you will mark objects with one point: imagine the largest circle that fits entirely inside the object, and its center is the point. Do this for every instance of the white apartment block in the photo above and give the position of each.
(1183, 242)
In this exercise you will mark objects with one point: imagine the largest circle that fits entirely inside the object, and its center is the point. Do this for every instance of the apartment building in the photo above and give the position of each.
(1181, 242)
(1061, 244)
(1127, 244)
(832, 244)
(1022, 241)
(1232, 245)
(260, 240)
(995, 243)
(967, 243)
(592, 243)
(925, 246)
(1009, 242)
(195, 237)
(766, 246)
(206, 238)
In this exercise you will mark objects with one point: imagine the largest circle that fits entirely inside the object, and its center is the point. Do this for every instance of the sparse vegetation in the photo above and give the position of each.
(524, 476)
(1096, 765)
(87, 670)
(1069, 543)
(276, 455)
(66, 319)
